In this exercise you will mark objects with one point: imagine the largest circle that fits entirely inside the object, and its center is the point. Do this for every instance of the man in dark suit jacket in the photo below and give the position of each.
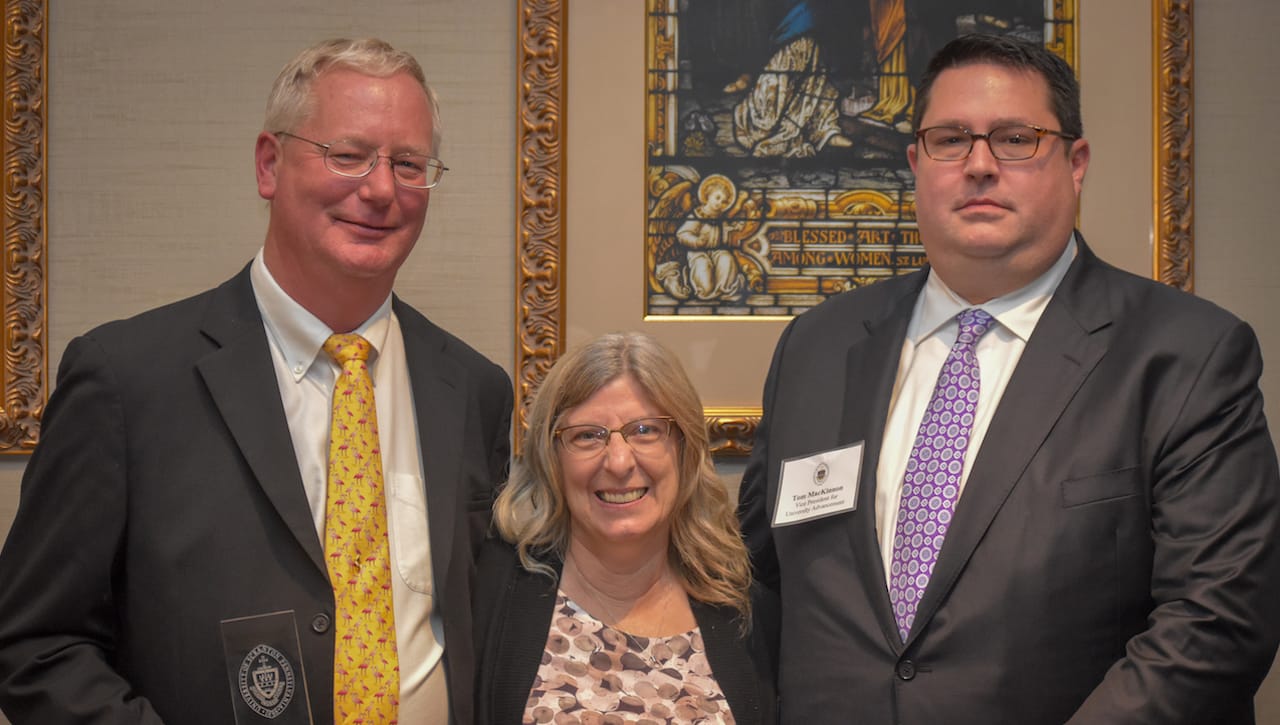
(178, 492)
(1109, 553)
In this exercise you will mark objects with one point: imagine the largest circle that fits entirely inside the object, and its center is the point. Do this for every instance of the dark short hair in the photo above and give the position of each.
(1010, 52)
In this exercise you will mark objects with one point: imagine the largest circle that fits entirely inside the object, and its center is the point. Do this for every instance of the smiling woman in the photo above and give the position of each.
(621, 494)
(621, 569)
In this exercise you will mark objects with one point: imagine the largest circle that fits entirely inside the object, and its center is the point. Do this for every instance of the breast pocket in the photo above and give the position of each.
(1111, 485)
(409, 535)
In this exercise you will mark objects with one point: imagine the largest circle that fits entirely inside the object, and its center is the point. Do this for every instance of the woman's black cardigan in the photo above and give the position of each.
(513, 609)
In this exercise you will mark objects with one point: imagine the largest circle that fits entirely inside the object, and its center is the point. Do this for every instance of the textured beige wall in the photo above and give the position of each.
(154, 106)
(1237, 265)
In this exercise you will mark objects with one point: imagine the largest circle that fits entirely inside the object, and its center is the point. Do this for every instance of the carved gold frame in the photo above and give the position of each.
(540, 202)
(23, 372)
(1171, 41)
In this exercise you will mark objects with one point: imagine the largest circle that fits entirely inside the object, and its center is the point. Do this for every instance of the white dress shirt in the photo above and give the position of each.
(930, 334)
(306, 376)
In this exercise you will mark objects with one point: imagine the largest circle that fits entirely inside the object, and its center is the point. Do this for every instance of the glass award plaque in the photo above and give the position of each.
(264, 667)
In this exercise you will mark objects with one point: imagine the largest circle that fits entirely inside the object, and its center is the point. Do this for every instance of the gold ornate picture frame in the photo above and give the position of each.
(541, 203)
(1173, 137)
(23, 372)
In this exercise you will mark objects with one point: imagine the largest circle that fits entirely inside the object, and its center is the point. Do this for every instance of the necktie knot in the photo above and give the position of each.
(347, 347)
(974, 323)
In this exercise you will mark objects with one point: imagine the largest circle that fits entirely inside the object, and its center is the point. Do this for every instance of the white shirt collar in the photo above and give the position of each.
(1018, 311)
(299, 334)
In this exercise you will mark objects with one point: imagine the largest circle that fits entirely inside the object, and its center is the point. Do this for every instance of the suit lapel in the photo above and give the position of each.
(439, 401)
(242, 382)
(870, 371)
(1063, 350)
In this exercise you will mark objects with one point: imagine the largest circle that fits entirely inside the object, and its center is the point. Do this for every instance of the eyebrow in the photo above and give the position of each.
(395, 151)
(996, 123)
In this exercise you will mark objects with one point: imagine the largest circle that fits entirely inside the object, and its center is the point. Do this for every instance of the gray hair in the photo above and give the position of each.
(290, 101)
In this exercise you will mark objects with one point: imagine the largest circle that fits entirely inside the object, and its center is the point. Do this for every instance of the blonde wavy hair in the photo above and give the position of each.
(705, 550)
(290, 101)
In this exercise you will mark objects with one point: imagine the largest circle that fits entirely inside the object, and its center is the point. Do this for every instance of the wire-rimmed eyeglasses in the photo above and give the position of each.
(354, 160)
(644, 435)
(1007, 143)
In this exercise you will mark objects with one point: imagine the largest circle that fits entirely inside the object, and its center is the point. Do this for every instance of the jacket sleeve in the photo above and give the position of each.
(1215, 584)
(497, 404)
(61, 562)
(753, 493)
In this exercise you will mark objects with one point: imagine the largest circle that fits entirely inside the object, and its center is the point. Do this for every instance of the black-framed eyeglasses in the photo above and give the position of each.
(644, 435)
(1007, 143)
(354, 160)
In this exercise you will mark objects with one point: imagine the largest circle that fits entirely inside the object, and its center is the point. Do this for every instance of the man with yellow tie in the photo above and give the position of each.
(261, 504)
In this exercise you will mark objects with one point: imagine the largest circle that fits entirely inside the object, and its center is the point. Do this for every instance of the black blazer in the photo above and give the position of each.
(165, 496)
(513, 615)
(1114, 557)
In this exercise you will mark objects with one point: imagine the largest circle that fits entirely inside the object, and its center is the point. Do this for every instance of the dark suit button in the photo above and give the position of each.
(320, 623)
(906, 669)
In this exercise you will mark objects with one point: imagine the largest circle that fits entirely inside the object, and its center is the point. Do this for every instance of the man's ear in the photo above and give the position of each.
(266, 162)
(1079, 162)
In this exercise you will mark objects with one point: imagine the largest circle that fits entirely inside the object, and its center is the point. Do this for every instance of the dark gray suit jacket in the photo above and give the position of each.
(165, 496)
(1113, 558)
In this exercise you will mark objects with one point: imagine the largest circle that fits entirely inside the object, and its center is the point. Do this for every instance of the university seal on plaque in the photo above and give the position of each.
(266, 681)
(266, 674)
(820, 473)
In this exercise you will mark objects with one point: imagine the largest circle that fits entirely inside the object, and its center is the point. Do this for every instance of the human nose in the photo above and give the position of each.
(380, 183)
(980, 161)
(619, 456)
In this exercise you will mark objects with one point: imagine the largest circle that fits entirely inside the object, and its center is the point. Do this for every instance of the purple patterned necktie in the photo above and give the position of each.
(931, 485)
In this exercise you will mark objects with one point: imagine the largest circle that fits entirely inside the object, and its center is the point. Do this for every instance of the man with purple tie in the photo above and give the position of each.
(1021, 485)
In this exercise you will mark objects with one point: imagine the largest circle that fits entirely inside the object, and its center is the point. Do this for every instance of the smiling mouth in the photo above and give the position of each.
(627, 496)
(369, 227)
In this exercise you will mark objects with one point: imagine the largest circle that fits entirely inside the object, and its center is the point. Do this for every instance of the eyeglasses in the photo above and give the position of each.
(1007, 143)
(353, 160)
(644, 435)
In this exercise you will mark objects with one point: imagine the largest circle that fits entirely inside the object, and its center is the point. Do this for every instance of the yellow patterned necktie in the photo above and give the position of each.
(366, 671)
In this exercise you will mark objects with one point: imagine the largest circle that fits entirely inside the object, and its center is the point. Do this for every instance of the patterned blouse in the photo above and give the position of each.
(593, 674)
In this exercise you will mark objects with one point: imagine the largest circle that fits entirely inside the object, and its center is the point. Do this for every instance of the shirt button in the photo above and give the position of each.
(906, 669)
(298, 369)
(320, 623)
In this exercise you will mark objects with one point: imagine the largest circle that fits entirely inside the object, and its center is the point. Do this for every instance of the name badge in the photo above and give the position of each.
(264, 665)
(820, 485)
